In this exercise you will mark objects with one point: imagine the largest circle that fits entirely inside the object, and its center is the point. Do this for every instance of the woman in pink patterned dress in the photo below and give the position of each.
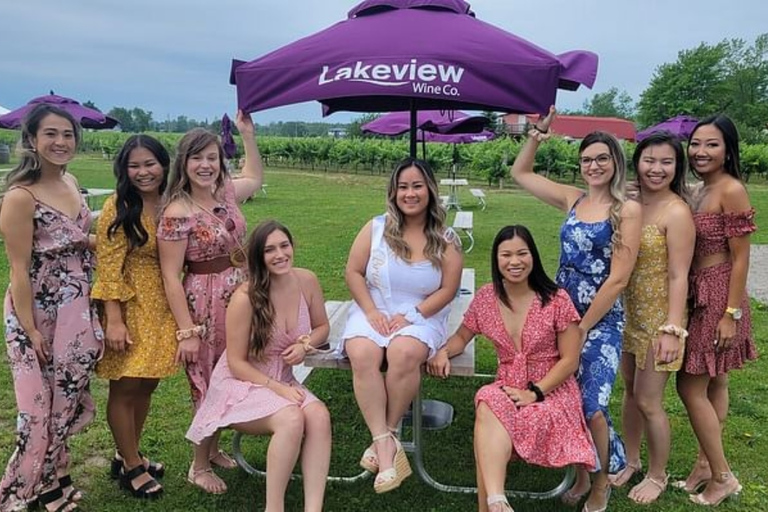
(200, 234)
(273, 320)
(720, 329)
(532, 411)
(52, 332)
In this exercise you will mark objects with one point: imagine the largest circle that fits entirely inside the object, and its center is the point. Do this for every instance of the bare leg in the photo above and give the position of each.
(315, 455)
(632, 421)
(371, 394)
(201, 474)
(482, 495)
(493, 449)
(598, 496)
(694, 391)
(127, 407)
(649, 391)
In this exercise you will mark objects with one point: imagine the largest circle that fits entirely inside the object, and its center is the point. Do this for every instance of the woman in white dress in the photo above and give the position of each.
(404, 269)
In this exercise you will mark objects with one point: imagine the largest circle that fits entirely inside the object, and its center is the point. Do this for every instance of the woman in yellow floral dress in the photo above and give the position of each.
(140, 329)
(654, 337)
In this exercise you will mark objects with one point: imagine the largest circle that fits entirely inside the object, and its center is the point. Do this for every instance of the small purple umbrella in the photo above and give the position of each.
(409, 55)
(87, 117)
(227, 140)
(397, 123)
(680, 126)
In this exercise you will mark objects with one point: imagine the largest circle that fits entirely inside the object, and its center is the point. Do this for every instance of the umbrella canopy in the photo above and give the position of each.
(397, 123)
(680, 126)
(396, 55)
(87, 117)
(227, 140)
(457, 138)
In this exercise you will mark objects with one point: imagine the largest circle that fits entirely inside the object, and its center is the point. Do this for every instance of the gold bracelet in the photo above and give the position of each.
(306, 342)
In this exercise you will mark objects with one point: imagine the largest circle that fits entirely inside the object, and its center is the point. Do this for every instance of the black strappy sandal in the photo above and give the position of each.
(155, 469)
(49, 497)
(143, 492)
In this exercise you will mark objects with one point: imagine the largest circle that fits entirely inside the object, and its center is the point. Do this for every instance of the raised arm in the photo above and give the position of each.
(622, 263)
(17, 226)
(681, 240)
(252, 174)
(554, 194)
(354, 275)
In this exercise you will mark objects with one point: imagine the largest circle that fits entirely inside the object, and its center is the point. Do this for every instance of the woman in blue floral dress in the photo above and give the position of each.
(599, 242)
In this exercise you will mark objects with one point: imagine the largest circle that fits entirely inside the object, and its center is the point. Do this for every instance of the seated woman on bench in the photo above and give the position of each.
(273, 320)
(532, 411)
(404, 269)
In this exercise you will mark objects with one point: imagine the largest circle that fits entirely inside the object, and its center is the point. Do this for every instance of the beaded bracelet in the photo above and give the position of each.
(306, 342)
(674, 330)
(195, 330)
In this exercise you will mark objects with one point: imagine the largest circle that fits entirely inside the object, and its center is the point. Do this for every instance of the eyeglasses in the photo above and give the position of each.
(221, 213)
(601, 160)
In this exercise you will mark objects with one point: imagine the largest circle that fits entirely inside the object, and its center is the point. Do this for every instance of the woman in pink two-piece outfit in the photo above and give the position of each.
(532, 411)
(200, 235)
(273, 320)
(52, 332)
(720, 329)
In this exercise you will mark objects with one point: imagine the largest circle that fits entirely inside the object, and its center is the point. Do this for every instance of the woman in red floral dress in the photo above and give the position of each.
(532, 411)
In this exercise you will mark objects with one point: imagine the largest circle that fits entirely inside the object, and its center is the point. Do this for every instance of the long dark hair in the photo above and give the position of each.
(723, 123)
(538, 279)
(263, 317)
(128, 202)
(659, 139)
(28, 170)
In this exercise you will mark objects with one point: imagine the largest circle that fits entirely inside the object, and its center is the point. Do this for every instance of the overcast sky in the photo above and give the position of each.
(172, 57)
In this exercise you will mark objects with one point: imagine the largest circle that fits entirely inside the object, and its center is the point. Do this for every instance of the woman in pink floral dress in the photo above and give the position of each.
(52, 332)
(532, 411)
(200, 235)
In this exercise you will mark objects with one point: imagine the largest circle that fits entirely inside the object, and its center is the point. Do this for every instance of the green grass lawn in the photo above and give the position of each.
(324, 212)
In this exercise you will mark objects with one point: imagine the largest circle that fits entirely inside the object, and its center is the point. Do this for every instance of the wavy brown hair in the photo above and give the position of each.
(263, 318)
(435, 226)
(192, 143)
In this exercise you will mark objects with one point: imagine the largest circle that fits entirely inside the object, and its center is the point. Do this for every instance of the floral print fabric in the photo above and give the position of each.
(52, 396)
(585, 262)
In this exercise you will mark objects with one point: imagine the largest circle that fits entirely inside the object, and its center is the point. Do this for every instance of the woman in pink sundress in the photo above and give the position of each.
(532, 411)
(200, 234)
(52, 332)
(719, 327)
(273, 320)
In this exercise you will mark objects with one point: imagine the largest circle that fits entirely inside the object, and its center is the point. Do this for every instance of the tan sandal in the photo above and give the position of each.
(391, 478)
(370, 459)
(499, 503)
(621, 478)
(222, 460)
(659, 485)
(199, 477)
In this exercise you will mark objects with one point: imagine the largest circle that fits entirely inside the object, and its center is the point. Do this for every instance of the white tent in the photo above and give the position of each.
(3, 110)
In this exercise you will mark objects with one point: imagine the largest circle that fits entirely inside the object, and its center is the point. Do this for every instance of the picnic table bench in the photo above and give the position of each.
(480, 195)
(463, 221)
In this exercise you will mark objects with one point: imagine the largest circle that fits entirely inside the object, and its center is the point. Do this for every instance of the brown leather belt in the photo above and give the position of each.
(213, 266)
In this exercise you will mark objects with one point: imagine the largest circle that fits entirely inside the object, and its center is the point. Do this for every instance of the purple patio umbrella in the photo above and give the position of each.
(227, 140)
(457, 138)
(410, 55)
(87, 117)
(680, 126)
(439, 121)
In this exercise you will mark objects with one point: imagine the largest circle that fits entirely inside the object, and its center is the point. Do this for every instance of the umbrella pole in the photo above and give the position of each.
(413, 128)
(423, 147)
